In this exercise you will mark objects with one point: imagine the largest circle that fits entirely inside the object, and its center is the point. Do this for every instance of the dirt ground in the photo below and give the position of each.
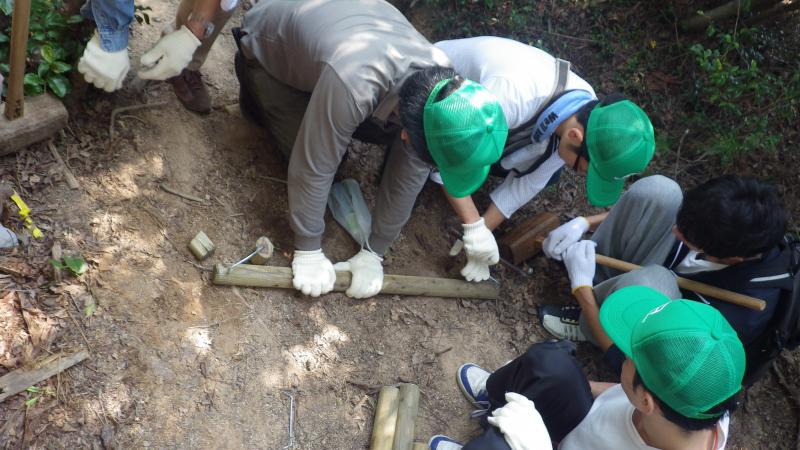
(177, 362)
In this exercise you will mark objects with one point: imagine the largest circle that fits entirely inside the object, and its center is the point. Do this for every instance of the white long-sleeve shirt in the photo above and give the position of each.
(522, 78)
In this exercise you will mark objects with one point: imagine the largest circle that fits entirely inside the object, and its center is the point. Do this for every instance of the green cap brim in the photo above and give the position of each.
(601, 191)
(463, 183)
(624, 309)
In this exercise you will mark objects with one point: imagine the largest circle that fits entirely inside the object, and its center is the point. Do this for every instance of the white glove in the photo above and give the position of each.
(521, 424)
(105, 70)
(481, 250)
(367, 274)
(562, 237)
(313, 272)
(171, 54)
(579, 259)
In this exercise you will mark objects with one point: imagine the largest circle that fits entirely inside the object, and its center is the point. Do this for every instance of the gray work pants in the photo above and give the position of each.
(638, 230)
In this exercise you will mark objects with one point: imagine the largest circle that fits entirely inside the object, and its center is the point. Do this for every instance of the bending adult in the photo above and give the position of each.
(316, 73)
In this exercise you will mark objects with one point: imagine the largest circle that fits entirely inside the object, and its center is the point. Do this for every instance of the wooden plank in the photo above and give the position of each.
(520, 244)
(406, 417)
(44, 116)
(17, 381)
(281, 277)
(385, 419)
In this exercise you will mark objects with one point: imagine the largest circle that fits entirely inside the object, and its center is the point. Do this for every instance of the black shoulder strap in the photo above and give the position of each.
(521, 136)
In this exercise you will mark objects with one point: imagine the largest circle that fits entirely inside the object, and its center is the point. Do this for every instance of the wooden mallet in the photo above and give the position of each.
(526, 240)
(23, 124)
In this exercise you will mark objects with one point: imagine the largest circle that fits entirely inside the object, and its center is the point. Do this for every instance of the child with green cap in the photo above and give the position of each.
(555, 120)
(683, 370)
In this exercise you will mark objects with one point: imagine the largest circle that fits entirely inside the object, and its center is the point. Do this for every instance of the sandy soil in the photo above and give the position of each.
(180, 363)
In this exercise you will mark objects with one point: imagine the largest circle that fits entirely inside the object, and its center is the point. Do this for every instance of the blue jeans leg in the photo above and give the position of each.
(112, 19)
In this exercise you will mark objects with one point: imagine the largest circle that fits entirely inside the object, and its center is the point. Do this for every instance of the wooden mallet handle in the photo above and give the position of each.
(687, 284)
(692, 285)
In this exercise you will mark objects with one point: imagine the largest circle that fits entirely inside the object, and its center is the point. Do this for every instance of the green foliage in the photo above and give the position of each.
(736, 96)
(467, 18)
(37, 395)
(74, 264)
(54, 45)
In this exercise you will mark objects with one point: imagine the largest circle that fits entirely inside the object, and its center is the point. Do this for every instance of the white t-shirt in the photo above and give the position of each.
(609, 426)
(522, 78)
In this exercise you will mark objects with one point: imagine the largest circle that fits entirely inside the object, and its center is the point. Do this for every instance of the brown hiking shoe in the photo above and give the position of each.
(191, 91)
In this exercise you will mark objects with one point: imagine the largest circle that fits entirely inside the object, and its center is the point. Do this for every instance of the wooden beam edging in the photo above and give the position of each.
(281, 277)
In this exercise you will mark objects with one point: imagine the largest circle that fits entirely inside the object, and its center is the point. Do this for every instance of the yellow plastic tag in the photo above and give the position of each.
(24, 213)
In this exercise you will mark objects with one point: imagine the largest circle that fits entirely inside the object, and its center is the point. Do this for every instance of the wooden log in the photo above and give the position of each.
(520, 244)
(201, 246)
(281, 277)
(406, 417)
(383, 426)
(701, 21)
(265, 253)
(781, 9)
(44, 115)
(17, 381)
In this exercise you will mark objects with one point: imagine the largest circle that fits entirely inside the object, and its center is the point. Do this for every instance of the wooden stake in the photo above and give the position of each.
(17, 381)
(281, 277)
(201, 246)
(267, 248)
(406, 417)
(383, 426)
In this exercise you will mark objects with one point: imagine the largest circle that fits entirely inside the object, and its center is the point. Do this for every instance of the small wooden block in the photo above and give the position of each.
(201, 246)
(265, 254)
(421, 446)
(44, 115)
(520, 244)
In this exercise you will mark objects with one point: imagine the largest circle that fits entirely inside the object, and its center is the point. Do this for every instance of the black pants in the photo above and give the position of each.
(549, 375)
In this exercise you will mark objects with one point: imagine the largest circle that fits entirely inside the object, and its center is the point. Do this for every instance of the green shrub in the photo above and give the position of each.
(742, 104)
(55, 44)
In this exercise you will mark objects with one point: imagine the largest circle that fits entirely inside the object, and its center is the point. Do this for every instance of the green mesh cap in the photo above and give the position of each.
(620, 142)
(465, 133)
(685, 352)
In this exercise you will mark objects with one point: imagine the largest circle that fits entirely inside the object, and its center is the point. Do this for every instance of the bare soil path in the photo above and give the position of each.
(179, 363)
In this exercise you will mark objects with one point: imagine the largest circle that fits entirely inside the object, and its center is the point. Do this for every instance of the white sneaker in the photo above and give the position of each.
(562, 321)
(472, 381)
(441, 442)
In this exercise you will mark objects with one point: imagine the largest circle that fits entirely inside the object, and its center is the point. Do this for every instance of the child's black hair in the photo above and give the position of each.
(729, 405)
(732, 216)
(413, 96)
